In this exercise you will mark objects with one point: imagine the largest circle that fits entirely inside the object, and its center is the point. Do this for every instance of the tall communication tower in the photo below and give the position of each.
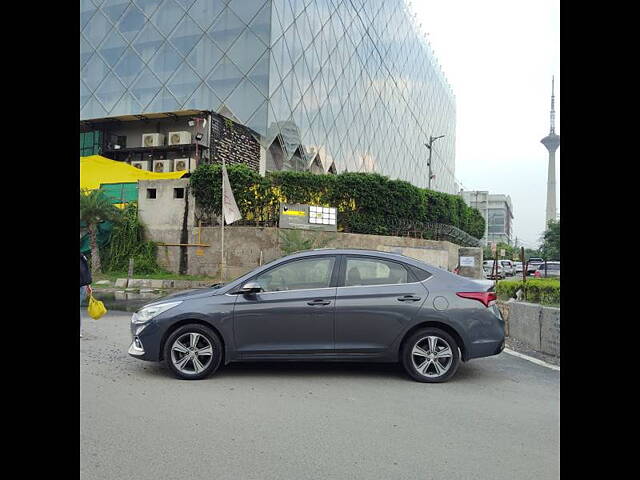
(551, 142)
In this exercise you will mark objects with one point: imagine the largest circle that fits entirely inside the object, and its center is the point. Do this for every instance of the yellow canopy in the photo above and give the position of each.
(95, 170)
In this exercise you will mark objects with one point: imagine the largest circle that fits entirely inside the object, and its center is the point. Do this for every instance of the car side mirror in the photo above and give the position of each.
(250, 287)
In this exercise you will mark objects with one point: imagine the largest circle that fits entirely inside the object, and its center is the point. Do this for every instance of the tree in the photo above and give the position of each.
(95, 207)
(550, 249)
(510, 252)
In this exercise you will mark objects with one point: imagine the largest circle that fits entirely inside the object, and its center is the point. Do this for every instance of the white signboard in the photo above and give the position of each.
(467, 261)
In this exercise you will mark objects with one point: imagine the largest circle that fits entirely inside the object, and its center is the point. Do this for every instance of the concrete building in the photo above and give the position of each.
(321, 85)
(497, 211)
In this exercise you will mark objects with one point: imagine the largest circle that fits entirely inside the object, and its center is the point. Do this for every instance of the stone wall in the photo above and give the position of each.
(233, 142)
(247, 247)
(535, 325)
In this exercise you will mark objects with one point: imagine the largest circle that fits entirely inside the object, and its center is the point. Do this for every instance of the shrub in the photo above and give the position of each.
(367, 202)
(544, 291)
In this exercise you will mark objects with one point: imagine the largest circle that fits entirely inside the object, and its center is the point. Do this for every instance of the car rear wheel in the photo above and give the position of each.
(431, 355)
(193, 352)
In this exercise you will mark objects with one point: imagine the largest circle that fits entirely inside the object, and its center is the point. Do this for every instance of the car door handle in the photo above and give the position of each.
(408, 298)
(319, 302)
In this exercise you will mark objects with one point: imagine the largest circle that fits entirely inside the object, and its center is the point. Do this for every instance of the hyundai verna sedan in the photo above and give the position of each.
(327, 304)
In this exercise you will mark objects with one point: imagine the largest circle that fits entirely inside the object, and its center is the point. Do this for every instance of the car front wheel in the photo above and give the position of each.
(431, 355)
(193, 352)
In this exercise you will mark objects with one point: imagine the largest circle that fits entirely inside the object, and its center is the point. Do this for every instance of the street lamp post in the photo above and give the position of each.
(429, 146)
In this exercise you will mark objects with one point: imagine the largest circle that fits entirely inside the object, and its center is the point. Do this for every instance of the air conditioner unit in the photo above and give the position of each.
(161, 166)
(179, 138)
(180, 164)
(144, 165)
(152, 140)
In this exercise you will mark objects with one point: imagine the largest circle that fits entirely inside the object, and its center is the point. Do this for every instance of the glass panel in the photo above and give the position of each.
(97, 28)
(226, 29)
(183, 83)
(94, 72)
(113, 47)
(258, 121)
(114, 8)
(203, 99)
(259, 74)
(164, 102)
(85, 93)
(246, 50)
(297, 275)
(204, 12)
(87, 9)
(146, 87)
(148, 6)
(186, 35)
(167, 16)
(129, 66)
(127, 105)
(85, 51)
(246, 9)
(131, 22)
(224, 78)
(165, 62)
(148, 42)
(244, 101)
(373, 272)
(204, 56)
(109, 91)
(92, 109)
(261, 26)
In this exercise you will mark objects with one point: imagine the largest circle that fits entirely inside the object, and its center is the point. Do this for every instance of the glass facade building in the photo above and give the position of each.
(326, 84)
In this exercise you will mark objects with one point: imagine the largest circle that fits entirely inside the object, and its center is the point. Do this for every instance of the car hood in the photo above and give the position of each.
(186, 295)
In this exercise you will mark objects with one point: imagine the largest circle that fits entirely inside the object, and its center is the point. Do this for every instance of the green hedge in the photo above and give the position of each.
(367, 202)
(544, 291)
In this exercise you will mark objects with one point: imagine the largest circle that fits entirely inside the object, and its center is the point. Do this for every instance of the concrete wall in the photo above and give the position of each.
(245, 246)
(533, 324)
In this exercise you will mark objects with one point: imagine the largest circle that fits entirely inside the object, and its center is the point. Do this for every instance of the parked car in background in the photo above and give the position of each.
(532, 265)
(327, 304)
(548, 269)
(517, 266)
(507, 267)
(490, 272)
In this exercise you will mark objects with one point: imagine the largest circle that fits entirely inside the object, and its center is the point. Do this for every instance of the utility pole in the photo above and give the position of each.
(429, 146)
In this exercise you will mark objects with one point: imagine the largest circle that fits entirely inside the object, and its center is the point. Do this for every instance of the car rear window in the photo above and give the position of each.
(419, 273)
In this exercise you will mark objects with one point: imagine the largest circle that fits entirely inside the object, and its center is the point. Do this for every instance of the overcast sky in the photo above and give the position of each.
(499, 56)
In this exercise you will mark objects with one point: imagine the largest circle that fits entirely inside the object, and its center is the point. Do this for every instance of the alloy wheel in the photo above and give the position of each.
(432, 356)
(191, 353)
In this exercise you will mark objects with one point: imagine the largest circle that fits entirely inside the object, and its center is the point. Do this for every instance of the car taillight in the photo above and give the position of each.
(486, 298)
(537, 274)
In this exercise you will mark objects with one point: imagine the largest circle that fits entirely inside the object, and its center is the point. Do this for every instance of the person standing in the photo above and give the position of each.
(85, 283)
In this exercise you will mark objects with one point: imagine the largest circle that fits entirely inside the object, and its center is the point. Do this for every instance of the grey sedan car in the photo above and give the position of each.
(341, 305)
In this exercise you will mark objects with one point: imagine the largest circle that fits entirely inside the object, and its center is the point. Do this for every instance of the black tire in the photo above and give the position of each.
(419, 337)
(214, 360)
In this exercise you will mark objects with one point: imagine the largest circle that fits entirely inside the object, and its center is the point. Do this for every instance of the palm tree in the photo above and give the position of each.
(95, 207)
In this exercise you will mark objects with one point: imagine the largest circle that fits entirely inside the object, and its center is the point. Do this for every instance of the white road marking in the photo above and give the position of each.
(531, 359)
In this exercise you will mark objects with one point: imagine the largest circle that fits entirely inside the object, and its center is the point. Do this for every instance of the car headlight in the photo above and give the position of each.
(147, 313)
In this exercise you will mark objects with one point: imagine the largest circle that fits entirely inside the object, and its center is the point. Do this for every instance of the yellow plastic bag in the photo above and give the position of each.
(96, 308)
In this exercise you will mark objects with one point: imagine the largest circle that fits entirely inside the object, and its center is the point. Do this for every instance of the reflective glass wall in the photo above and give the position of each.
(328, 84)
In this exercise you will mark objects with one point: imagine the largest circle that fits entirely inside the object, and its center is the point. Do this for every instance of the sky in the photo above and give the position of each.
(499, 56)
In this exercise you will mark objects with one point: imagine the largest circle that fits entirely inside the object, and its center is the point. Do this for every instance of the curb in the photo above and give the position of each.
(531, 359)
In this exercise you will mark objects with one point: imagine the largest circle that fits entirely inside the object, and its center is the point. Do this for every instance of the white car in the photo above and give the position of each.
(517, 266)
(489, 270)
(507, 266)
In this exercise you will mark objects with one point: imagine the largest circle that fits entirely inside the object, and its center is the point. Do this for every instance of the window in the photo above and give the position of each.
(151, 193)
(419, 273)
(365, 271)
(308, 273)
(178, 193)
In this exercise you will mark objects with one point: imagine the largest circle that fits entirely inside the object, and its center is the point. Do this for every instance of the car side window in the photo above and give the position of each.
(301, 274)
(368, 271)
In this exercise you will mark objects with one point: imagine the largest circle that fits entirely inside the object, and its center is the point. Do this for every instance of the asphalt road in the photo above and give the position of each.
(498, 418)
